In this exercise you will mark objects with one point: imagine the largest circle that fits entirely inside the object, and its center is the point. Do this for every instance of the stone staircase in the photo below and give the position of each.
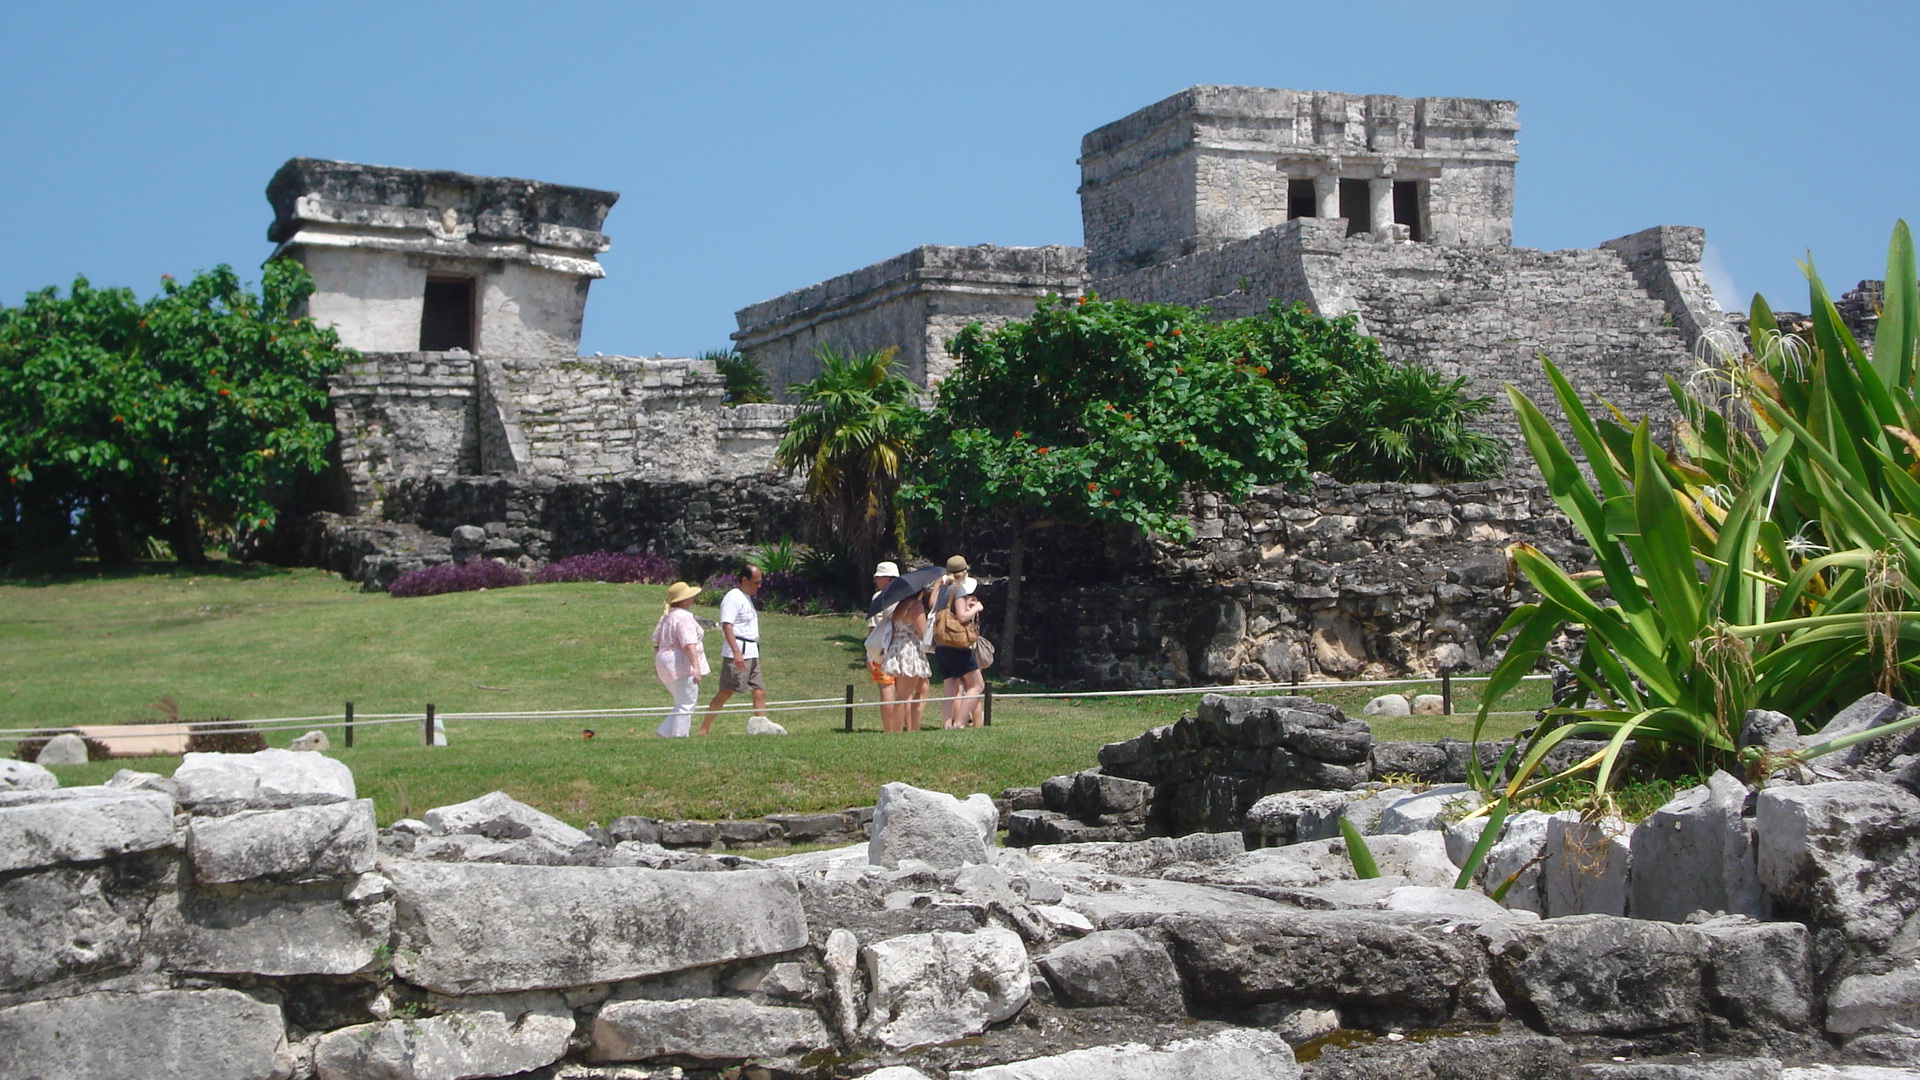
(1488, 314)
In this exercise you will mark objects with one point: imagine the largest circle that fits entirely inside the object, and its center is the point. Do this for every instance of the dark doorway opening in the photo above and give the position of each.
(1301, 201)
(1406, 206)
(1353, 206)
(446, 317)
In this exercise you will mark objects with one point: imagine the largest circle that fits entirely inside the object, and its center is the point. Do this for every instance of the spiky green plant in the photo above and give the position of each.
(1761, 563)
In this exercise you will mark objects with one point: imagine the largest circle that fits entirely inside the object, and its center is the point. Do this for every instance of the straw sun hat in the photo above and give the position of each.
(679, 591)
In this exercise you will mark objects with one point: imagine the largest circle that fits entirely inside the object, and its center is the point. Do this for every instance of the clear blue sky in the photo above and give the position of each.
(760, 147)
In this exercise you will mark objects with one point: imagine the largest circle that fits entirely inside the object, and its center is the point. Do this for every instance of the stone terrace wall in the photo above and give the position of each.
(403, 414)
(682, 519)
(1337, 580)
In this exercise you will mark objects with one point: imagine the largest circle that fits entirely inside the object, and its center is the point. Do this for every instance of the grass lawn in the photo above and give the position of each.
(256, 642)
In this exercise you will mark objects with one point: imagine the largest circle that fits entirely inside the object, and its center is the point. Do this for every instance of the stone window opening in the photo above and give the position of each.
(447, 315)
(1301, 199)
(1355, 205)
(1406, 207)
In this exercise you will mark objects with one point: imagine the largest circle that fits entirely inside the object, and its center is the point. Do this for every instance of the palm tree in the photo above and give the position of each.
(856, 423)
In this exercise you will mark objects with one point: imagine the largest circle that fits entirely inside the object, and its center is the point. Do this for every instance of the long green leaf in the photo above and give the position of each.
(1496, 821)
(1357, 851)
(1666, 551)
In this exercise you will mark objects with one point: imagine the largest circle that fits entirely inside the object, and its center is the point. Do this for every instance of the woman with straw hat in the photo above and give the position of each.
(679, 658)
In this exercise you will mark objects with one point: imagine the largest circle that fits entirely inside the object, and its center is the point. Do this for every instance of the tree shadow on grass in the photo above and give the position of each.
(84, 571)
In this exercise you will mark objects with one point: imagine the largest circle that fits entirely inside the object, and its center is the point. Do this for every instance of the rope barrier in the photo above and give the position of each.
(288, 723)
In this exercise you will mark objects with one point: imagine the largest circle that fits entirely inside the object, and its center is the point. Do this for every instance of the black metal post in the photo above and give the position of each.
(349, 729)
(849, 706)
(426, 731)
(986, 707)
(1446, 692)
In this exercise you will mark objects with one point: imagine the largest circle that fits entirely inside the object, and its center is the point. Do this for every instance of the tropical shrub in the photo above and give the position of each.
(1764, 562)
(456, 577)
(609, 566)
(855, 426)
(177, 418)
(746, 381)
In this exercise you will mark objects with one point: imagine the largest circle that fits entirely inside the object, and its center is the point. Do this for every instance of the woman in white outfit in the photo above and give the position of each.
(679, 658)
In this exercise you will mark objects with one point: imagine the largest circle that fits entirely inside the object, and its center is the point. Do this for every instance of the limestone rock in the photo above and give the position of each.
(61, 922)
(1692, 1067)
(1761, 972)
(1429, 705)
(265, 778)
(154, 1035)
(1483, 1057)
(709, 1028)
(468, 928)
(136, 780)
(63, 749)
(324, 840)
(1143, 856)
(314, 741)
(1769, 729)
(26, 776)
(1417, 859)
(1517, 852)
(310, 930)
(930, 988)
(467, 542)
(932, 826)
(1587, 865)
(841, 957)
(81, 824)
(897, 1072)
(482, 1037)
(1388, 705)
(1453, 903)
(500, 816)
(1288, 817)
(1424, 810)
(1377, 968)
(1887, 1001)
(1115, 967)
(1238, 1053)
(760, 725)
(1842, 854)
(1696, 853)
(1601, 975)
(1870, 711)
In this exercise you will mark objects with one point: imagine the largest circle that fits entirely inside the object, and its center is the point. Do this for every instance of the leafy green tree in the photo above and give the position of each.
(175, 419)
(1101, 411)
(1364, 417)
(746, 381)
(855, 424)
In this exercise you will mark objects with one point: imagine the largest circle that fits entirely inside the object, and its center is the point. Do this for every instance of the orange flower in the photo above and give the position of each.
(1149, 344)
(1093, 487)
(1043, 449)
(118, 419)
(225, 392)
(1176, 331)
(1019, 434)
(263, 523)
(1116, 492)
(1179, 371)
(1262, 369)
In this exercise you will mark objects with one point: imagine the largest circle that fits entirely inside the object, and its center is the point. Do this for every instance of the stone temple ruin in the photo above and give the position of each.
(465, 295)
(473, 408)
(1397, 210)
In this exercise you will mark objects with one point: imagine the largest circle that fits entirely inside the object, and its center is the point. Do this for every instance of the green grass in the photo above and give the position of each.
(265, 642)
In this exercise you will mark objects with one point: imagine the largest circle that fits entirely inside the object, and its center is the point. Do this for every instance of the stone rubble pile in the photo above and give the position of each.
(245, 918)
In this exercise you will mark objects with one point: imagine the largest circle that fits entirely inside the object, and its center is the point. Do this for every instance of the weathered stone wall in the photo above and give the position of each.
(914, 302)
(554, 518)
(1346, 581)
(405, 415)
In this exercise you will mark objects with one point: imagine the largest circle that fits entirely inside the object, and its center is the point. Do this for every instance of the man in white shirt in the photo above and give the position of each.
(740, 651)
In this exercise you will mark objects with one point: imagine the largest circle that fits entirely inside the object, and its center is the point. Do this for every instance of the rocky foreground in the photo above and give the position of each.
(244, 919)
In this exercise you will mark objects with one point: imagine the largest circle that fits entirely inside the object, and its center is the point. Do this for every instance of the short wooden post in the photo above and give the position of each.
(349, 727)
(426, 731)
(1446, 691)
(849, 706)
(1294, 683)
(986, 707)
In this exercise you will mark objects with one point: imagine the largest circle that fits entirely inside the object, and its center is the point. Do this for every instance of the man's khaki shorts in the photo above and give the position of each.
(736, 679)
